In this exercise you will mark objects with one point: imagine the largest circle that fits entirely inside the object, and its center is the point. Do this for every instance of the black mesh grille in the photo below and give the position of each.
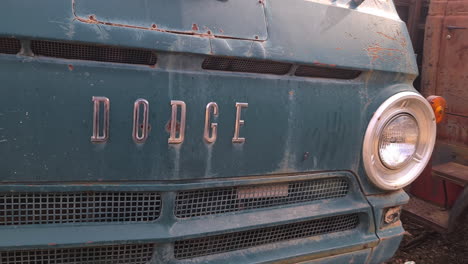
(322, 72)
(134, 254)
(192, 248)
(222, 200)
(245, 65)
(79, 207)
(9, 45)
(92, 52)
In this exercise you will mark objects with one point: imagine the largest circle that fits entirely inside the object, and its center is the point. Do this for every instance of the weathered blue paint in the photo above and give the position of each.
(355, 257)
(181, 17)
(380, 202)
(330, 129)
(168, 227)
(388, 245)
(390, 235)
(46, 110)
(277, 118)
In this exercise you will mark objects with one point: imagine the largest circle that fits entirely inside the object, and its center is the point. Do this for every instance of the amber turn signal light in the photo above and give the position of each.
(438, 105)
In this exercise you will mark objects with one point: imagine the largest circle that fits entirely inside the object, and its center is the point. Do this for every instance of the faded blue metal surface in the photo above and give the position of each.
(388, 245)
(390, 235)
(298, 115)
(380, 202)
(355, 257)
(292, 125)
(168, 227)
(242, 19)
(330, 130)
(300, 31)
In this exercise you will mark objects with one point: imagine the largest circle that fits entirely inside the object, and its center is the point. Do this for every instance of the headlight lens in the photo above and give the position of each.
(398, 141)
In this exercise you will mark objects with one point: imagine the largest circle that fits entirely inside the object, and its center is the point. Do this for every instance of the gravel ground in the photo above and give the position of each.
(424, 246)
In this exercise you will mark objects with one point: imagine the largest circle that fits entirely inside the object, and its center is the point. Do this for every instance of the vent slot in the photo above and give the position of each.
(322, 72)
(245, 65)
(80, 207)
(88, 52)
(192, 248)
(135, 254)
(10, 46)
(223, 200)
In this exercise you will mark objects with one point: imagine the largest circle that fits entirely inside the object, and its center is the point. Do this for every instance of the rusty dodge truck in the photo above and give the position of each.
(209, 131)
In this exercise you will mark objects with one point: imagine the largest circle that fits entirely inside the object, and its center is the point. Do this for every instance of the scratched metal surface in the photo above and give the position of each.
(368, 37)
(292, 125)
(204, 17)
(47, 107)
(167, 228)
(49, 124)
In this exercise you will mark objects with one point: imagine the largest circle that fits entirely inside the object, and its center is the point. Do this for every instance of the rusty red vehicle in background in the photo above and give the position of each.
(439, 32)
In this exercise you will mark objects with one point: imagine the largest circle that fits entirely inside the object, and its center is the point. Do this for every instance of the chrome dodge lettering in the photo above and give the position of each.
(140, 130)
(100, 136)
(212, 106)
(173, 139)
(141, 126)
(239, 123)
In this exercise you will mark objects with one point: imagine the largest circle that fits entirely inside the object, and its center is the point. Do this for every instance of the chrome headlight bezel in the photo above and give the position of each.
(415, 105)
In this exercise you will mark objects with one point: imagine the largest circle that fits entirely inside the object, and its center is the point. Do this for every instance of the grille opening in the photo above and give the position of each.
(198, 247)
(78, 207)
(89, 52)
(323, 72)
(202, 202)
(245, 65)
(10, 46)
(134, 254)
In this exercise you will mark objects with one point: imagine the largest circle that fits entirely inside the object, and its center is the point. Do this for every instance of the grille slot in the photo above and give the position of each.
(134, 254)
(245, 65)
(88, 52)
(323, 72)
(223, 200)
(78, 207)
(192, 248)
(9, 46)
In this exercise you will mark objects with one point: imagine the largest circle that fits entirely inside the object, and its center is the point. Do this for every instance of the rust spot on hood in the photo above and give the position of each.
(93, 20)
(397, 37)
(168, 126)
(317, 63)
(377, 52)
(386, 36)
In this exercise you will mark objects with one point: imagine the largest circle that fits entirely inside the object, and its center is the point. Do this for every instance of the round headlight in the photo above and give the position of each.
(399, 140)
